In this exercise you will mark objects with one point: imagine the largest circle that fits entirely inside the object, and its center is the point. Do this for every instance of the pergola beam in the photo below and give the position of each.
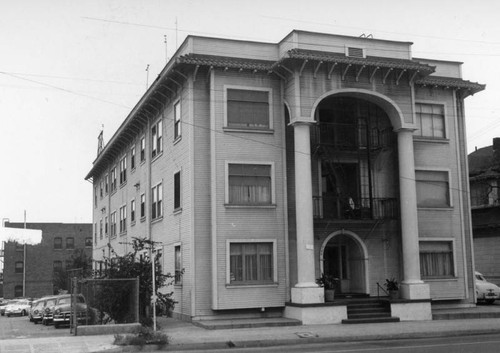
(372, 75)
(303, 66)
(317, 68)
(345, 71)
(386, 75)
(359, 72)
(331, 70)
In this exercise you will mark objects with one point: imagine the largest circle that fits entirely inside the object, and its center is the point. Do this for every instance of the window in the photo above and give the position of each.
(132, 211)
(430, 120)
(432, 188)
(68, 264)
(249, 184)
(19, 267)
(156, 205)
(480, 193)
(113, 224)
(88, 242)
(156, 139)
(100, 229)
(106, 183)
(178, 264)
(106, 226)
(95, 196)
(177, 120)
(57, 243)
(123, 170)
(70, 243)
(143, 205)
(101, 188)
(251, 263)
(247, 109)
(132, 158)
(436, 259)
(95, 232)
(57, 266)
(123, 219)
(18, 291)
(19, 247)
(177, 190)
(113, 179)
(143, 149)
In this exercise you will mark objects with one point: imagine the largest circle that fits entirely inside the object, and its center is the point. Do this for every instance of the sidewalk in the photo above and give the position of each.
(186, 336)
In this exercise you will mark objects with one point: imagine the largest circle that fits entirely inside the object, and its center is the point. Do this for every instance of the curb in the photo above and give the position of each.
(219, 345)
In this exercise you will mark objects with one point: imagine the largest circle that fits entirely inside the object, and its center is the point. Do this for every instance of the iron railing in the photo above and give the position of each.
(335, 207)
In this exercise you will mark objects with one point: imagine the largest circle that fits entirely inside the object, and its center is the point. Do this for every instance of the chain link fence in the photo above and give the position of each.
(106, 301)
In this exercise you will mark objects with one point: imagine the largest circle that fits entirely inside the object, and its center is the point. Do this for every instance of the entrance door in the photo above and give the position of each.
(344, 258)
(335, 264)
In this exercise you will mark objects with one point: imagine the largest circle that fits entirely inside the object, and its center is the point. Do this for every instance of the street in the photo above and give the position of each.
(462, 344)
(21, 327)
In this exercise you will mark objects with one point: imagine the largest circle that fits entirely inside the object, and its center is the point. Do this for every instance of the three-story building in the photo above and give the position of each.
(259, 166)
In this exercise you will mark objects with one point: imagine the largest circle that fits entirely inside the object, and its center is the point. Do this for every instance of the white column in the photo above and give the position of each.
(412, 287)
(306, 290)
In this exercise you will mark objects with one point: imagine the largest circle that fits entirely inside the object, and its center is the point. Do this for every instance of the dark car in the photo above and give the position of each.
(62, 310)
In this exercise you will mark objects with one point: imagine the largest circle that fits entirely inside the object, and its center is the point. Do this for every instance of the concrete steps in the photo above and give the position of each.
(368, 311)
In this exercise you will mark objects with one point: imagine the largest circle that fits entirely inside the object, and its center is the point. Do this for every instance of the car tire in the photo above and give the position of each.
(23, 313)
(8, 315)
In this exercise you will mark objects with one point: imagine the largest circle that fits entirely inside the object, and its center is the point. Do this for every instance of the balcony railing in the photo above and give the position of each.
(334, 207)
(348, 137)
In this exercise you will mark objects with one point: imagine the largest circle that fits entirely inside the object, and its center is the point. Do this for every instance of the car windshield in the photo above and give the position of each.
(64, 301)
(50, 302)
(480, 277)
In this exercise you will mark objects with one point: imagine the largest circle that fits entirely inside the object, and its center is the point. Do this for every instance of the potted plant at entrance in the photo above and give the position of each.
(392, 287)
(328, 282)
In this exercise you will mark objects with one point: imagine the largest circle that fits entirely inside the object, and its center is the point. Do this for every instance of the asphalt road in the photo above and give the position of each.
(21, 327)
(462, 344)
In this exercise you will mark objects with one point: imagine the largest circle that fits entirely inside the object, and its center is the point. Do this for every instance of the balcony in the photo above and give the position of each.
(341, 208)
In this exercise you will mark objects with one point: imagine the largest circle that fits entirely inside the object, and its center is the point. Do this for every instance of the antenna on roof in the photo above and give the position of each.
(366, 35)
(166, 49)
(147, 76)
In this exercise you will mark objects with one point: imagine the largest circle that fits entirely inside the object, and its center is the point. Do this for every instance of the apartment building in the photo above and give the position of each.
(257, 167)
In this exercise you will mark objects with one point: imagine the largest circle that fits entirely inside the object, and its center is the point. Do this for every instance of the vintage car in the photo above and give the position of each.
(37, 309)
(62, 310)
(18, 307)
(48, 309)
(486, 291)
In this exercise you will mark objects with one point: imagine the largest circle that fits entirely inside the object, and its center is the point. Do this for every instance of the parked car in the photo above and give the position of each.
(48, 310)
(62, 310)
(486, 291)
(37, 309)
(18, 307)
(3, 304)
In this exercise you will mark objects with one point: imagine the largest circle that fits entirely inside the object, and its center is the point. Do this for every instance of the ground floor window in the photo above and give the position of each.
(178, 264)
(436, 259)
(18, 291)
(251, 263)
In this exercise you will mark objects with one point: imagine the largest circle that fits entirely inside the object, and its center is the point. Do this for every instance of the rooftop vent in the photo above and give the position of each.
(355, 52)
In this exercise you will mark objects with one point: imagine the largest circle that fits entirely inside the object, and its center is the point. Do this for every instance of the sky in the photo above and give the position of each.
(69, 68)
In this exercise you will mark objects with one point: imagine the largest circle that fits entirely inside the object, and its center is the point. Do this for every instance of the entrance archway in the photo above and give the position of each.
(344, 255)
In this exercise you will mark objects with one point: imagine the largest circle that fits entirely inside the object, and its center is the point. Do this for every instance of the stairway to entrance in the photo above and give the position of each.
(369, 311)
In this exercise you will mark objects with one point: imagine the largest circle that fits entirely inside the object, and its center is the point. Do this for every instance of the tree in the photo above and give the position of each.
(135, 264)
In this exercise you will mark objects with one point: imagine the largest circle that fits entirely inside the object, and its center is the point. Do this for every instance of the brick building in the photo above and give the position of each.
(29, 270)
(259, 166)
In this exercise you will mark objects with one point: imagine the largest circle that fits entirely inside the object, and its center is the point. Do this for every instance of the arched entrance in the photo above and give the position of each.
(344, 255)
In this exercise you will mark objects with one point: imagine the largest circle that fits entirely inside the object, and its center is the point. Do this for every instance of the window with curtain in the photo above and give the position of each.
(178, 264)
(436, 259)
(432, 188)
(251, 263)
(247, 109)
(249, 184)
(430, 120)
